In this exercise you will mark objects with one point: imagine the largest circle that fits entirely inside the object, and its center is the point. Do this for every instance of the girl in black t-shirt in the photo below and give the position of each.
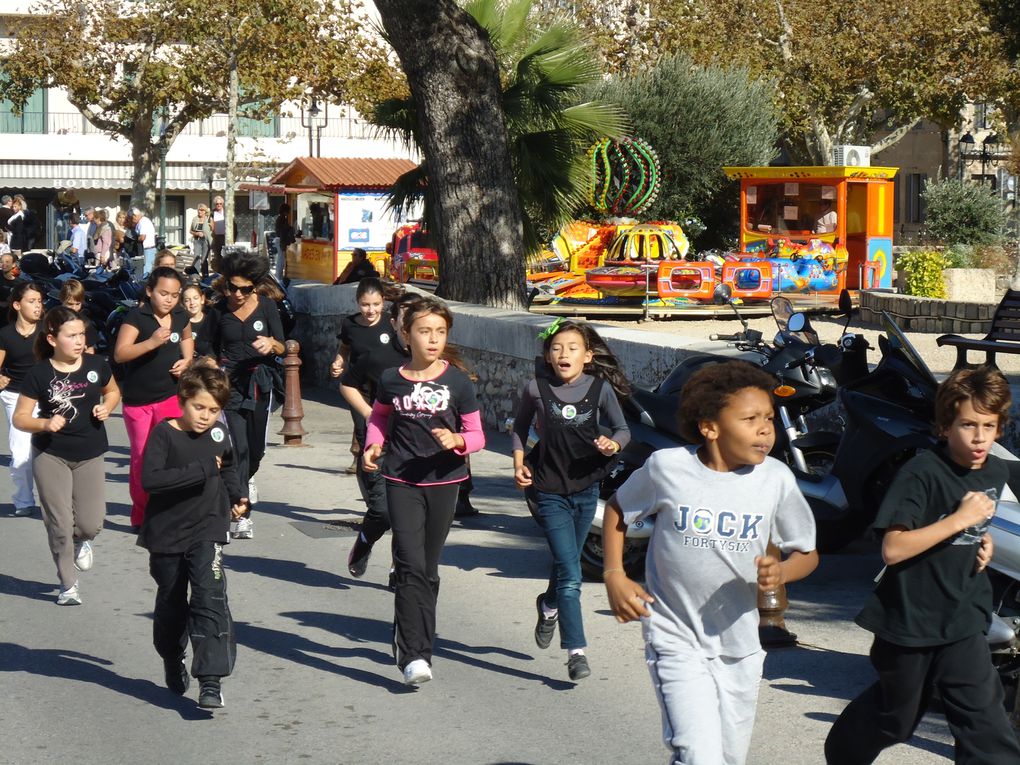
(360, 334)
(427, 416)
(203, 320)
(17, 356)
(189, 473)
(155, 342)
(72, 295)
(249, 338)
(75, 393)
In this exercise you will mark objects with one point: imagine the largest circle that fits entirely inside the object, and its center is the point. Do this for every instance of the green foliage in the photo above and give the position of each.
(698, 119)
(924, 272)
(961, 256)
(962, 213)
(544, 72)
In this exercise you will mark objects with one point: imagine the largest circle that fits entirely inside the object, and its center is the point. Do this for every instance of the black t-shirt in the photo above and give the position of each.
(937, 597)
(364, 340)
(203, 333)
(413, 455)
(235, 337)
(189, 497)
(19, 354)
(364, 373)
(73, 395)
(148, 377)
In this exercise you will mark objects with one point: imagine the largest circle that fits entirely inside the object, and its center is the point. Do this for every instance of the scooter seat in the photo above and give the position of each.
(662, 409)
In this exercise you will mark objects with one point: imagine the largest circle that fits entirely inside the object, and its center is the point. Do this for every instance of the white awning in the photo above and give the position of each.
(42, 174)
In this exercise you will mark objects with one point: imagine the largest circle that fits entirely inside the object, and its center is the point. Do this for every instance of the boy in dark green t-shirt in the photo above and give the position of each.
(933, 602)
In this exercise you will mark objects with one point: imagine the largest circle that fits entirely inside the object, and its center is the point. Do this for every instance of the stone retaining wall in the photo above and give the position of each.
(917, 314)
(499, 346)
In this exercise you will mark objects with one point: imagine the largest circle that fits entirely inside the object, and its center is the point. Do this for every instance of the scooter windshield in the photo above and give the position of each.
(782, 310)
(899, 341)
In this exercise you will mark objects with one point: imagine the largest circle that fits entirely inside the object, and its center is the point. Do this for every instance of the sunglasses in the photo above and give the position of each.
(246, 290)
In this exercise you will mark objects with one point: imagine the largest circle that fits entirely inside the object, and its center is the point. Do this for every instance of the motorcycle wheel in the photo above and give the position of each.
(591, 557)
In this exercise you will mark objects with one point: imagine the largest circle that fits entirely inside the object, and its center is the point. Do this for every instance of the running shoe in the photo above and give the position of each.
(577, 667)
(69, 597)
(83, 555)
(210, 696)
(176, 675)
(23, 512)
(242, 528)
(545, 627)
(417, 672)
(357, 560)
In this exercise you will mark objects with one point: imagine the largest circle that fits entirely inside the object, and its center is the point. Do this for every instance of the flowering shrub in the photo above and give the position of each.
(924, 273)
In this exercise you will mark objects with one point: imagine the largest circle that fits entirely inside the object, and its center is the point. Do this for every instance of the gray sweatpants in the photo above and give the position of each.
(707, 704)
(73, 499)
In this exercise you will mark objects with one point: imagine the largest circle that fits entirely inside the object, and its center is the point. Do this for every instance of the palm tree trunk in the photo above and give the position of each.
(454, 79)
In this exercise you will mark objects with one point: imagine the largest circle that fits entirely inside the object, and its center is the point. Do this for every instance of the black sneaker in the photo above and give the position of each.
(577, 667)
(545, 627)
(465, 509)
(209, 694)
(357, 560)
(393, 580)
(176, 675)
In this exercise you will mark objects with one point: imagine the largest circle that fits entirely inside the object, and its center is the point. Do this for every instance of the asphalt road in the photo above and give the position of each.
(315, 680)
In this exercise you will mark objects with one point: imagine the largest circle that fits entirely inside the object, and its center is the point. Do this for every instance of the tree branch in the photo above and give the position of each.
(894, 137)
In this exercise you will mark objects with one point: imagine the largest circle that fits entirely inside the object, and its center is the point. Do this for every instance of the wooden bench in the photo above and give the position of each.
(1004, 336)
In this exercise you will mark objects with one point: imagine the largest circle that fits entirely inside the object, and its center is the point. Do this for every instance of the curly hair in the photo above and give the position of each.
(246, 264)
(709, 390)
(985, 387)
(603, 363)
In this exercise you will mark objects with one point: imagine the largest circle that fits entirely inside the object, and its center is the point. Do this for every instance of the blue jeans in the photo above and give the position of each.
(149, 254)
(565, 519)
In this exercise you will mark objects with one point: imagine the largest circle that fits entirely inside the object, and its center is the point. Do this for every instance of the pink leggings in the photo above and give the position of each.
(139, 422)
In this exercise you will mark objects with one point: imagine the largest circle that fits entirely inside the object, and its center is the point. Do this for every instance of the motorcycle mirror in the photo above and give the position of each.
(796, 322)
(722, 294)
(846, 303)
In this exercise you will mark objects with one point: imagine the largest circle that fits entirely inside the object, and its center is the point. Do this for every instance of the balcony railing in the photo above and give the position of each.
(341, 125)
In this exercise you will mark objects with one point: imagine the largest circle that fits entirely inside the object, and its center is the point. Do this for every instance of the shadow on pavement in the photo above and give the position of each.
(24, 588)
(292, 571)
(72, 665)
(822, 672)
(308, 653)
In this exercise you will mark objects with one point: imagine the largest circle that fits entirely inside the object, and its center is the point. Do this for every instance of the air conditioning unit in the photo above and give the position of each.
(851, 156)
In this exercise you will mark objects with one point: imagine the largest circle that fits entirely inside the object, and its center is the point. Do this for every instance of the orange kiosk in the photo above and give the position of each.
(849, 209)
(337, 205)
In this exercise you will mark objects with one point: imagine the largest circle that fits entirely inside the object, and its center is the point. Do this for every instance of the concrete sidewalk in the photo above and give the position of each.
(315, 681)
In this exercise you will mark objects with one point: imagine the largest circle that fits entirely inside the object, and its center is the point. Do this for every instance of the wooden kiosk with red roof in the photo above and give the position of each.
(337, 205)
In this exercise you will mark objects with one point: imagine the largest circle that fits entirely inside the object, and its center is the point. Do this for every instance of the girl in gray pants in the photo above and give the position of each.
(75, 393)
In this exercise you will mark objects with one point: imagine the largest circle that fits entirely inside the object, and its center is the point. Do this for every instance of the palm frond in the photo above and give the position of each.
(408, 191)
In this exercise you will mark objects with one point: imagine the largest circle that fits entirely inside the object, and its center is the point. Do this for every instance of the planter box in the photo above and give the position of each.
(970, 285)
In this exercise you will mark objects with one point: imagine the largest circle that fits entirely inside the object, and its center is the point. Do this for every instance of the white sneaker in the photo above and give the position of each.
(242, 528)
(253, 491)
(69, 597)
(83, 555)
(23, 512)
(417, 672)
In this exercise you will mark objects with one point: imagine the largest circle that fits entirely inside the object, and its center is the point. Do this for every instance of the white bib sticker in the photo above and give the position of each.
(384, 338)
(258, 326)
(92, 376)
(217, 434)
(175, 337)
(569, 412)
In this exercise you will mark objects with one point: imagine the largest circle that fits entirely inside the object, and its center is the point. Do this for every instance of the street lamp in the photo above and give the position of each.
(988, 152)
(209, 175)
(312, 118)
(966, 147)
(161, 239)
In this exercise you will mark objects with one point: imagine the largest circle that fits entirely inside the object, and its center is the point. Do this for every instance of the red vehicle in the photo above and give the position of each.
(412, 259)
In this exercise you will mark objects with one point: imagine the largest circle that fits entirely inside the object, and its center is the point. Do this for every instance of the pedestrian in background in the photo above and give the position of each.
(189, 475)
(201, 240)
(102, 242)
(145, 232)
(75, 394)
(155, 343)
(17, 356)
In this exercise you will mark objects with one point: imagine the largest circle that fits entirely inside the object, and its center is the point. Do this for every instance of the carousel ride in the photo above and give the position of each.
(622, 265)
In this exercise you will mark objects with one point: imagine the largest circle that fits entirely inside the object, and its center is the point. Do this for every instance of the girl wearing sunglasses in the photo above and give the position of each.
(249, 338)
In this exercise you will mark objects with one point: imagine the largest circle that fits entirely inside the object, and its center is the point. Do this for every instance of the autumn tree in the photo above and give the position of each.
(144, 72)
(454, 79)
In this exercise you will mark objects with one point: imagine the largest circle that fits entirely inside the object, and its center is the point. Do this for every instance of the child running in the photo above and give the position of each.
(188, 472)
(17, 356)
(933, 602)
(427, 416)
(204, 321)
(562, 475)
(72, 295)
(716, 503)
(155, 342)
(358, 386)
(75, 393)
